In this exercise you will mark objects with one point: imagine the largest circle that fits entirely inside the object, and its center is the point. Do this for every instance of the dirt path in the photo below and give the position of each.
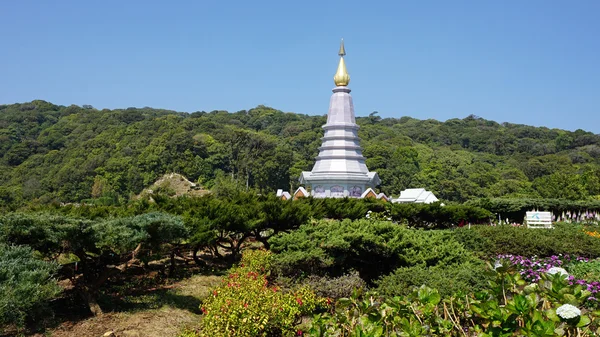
(162, 312)
(152, 323)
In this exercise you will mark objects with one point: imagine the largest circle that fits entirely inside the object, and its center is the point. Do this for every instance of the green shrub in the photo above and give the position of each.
(514, 209)
(246, 305)
(447, 279)
(98, 246)
(373, 249)
(563, 239)
(589, 271)
(342, 208)
(328, 287)
(437, 216)
(26, 285)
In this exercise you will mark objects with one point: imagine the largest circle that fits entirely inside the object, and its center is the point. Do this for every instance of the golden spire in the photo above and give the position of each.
(341, 77)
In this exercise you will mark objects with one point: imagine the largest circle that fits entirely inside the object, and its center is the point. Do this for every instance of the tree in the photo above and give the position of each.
(52, 153)
(103, 249)
(99, 187)
(561, 185)
(27, 284)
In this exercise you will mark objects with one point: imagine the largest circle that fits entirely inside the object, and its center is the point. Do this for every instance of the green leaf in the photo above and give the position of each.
(584, 321)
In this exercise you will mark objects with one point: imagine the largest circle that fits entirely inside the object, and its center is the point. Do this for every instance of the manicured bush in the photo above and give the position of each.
(102, 248)
(514, 209)
(245, 304)
(494, 240)
(372, 248)
(226, 223)
(26, 285)
(436, 216)
(449, 280)
(342, 208)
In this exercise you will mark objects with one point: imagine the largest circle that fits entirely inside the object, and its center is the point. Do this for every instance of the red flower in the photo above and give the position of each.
(203, 309)
(299, 333)
(299, 300)
(214, 293)
(245, 305)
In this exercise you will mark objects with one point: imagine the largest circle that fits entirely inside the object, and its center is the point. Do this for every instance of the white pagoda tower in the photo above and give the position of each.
(340, 169)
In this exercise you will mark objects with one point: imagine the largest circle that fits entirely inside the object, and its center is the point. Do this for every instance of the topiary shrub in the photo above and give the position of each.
(342, 208)
(372, 248)
(436, 216)
(494, 240)
(447, 279)
(103, 249)
(26, 285)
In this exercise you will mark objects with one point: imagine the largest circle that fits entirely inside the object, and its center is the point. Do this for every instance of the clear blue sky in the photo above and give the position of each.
(530, 62)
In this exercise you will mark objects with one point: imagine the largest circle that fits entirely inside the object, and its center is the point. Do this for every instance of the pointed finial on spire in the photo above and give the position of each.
(342, 49)
(341, 77)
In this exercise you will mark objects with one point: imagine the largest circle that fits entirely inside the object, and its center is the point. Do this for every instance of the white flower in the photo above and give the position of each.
(497, 264)
(568, 311)
(557, 270)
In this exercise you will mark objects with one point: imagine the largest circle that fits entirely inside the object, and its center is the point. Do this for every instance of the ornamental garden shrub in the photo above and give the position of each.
(27, 285)
(246, 304)
(101, 248)
(342, 208)
(460, 278)
(436, 216)
(514, 209)
(508, 306)
(563, 239)
(372, 248)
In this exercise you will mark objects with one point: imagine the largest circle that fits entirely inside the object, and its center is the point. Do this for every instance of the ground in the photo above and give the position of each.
(161, 311)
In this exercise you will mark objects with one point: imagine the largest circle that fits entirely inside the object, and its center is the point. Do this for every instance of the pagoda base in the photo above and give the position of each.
(340, 185)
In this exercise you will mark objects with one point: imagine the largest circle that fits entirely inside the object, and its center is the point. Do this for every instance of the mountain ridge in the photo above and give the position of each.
(50, 152)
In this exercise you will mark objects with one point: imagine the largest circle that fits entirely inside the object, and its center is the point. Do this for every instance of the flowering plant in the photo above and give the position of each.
(568, 311)
(532, 270)
(593, 234)
(245, 304)
(510, 306)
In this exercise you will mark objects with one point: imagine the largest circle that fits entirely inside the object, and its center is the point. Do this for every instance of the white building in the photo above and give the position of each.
(416, 195)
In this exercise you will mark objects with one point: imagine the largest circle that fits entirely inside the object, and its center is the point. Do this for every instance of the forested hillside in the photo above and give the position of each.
(67, 154)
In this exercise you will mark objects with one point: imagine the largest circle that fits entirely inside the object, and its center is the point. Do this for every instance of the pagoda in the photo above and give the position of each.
(340, 169)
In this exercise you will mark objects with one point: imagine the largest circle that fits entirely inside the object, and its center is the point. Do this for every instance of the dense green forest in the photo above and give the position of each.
(69, 153)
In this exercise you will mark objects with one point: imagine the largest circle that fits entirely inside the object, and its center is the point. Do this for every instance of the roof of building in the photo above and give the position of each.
(417, 195)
